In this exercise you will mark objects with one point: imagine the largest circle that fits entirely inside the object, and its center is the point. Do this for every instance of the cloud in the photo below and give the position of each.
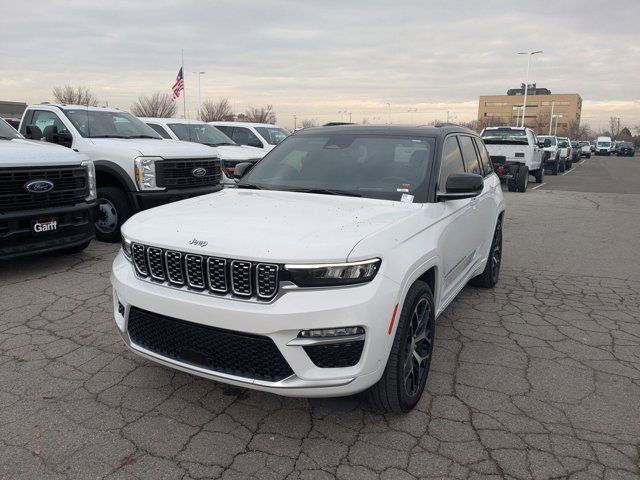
(314, 59)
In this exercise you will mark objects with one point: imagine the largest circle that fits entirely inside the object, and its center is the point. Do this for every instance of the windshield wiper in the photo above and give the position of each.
(250, 186)
(144, 136)
(107, 136)
(6, 138)
(220, 144)
(326, 191)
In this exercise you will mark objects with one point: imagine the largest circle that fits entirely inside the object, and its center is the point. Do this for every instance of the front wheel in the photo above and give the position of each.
(113, 211)
(405, 374)
(563, 165)
(539, 174)
(555, 168)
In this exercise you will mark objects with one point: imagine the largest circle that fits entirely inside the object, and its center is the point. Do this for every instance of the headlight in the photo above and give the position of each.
(126, 247)
(145, 169)
(91, 180)
(333, 274)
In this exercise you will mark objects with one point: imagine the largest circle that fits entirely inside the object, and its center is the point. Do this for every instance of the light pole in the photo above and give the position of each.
(388, 113)
(555, 132)
(411, 112)
(526, 83)
(553, 104)
(199, 97)
(295, 122)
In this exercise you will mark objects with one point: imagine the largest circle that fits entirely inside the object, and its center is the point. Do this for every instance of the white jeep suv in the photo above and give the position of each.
(323, 273)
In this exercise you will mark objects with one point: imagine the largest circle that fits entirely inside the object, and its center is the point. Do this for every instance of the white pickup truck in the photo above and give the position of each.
(515, 154)
(135, 168)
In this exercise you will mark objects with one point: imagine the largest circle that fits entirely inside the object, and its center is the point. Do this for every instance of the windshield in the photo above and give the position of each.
(551, 139)
(7, 132)
(563, 143)
(370, 166)
(200, 133)
(504, 136)
(626, 144)
(604, 144)
(104, 124)
(273, 135)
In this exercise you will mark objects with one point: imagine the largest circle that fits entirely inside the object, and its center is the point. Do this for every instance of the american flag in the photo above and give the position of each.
(179, 85)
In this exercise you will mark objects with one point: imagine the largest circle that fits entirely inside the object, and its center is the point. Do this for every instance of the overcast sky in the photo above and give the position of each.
(316, 58)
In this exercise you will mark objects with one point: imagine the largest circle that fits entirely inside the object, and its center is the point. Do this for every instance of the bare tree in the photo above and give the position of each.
(159, 105)
(614, 127)
(216, 110)
(79, 95)
(261, 115)
(308, 123)
(577, 131)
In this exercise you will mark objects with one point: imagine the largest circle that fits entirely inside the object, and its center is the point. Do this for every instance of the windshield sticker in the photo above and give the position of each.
(406, 198)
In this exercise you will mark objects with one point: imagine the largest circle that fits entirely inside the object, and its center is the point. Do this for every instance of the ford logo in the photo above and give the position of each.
(39, 186)
(199, 172)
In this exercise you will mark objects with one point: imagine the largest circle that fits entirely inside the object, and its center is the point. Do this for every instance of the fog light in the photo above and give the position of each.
(331, 332)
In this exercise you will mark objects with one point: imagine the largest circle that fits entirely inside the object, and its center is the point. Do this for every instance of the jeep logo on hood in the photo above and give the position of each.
(199, 172)
(38, 186)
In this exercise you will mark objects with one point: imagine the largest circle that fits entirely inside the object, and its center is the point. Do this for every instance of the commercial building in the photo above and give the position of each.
(566, 109)
(12, 109)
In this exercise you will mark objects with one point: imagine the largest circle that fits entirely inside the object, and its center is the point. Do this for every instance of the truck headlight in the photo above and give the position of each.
(91, 180)
(145, 170)
(331, 275)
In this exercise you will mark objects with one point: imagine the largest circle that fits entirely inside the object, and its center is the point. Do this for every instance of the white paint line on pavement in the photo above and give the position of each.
(567, 172)
(538, 186)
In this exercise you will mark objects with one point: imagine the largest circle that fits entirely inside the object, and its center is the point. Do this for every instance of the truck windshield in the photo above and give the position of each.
(563, 143)
(551, 139)
(106, 124)
(372, 166)
(604, 144)
(504, 136)
(7, 132)
(200, 133)
(273, 135)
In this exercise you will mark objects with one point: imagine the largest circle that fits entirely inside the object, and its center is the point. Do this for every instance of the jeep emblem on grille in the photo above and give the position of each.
(199, 172)
(39, 186)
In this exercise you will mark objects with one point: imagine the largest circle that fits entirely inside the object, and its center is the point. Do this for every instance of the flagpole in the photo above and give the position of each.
(184, 89)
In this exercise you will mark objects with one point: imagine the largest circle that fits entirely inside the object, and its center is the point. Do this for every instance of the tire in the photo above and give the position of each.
(563, 166)
(569, 165)
(539, 175)
(556, 166)
(491, 273)
(113, 211)
(77, 248)
(512, 183)
(397, 392)
(522, 179)
(588, 155)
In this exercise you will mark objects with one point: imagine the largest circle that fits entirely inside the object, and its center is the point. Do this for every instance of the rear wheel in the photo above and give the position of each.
(539, 175)
(512, 182)
(113, 211)
(489, 276)
(563, 165)
(405, 374)
(569, 164)
(522, 178)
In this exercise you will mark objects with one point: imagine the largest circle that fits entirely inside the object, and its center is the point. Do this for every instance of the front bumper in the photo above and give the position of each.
(369, 306)
(75, 227)
(145, 200)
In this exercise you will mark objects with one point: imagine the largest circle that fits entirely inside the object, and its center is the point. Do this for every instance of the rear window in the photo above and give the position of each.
(505, 136)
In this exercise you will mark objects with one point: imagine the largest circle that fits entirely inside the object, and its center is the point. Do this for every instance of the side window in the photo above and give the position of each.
(159, 130)
(451, 162)
(244, 136)
(46, 121)
(485, 160)
(469, 154)
(228, 131)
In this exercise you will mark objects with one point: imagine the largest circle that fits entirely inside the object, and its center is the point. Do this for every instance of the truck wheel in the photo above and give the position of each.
(512, 184)
(563, 165)
(556, 166)
(522, 178)
(489, 276)
(588, 155)
(113, 211)
(539, 175)
(569, 164)
(405, 374)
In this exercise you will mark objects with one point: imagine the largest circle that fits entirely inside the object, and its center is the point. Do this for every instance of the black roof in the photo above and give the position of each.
(417, 130)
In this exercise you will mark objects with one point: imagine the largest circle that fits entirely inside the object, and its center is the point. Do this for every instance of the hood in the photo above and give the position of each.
(237, 152)
(20, 153)
(269, 226)
(150, 147)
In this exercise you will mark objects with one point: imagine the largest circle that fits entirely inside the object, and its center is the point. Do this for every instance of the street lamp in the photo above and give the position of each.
(555, 132)
(199, 97)
(526, 83)
(553, 104)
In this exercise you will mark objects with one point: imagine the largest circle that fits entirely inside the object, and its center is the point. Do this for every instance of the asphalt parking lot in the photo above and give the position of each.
(539, 378)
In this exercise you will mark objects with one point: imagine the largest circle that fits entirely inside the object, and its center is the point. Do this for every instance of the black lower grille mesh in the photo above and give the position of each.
(335, 355)
(212, 348)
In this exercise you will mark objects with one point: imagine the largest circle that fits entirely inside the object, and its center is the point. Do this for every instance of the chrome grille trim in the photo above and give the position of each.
(241, 278)
(194, 268)
(154, 255)
(173, 261)
(266, 291)
(223, 277)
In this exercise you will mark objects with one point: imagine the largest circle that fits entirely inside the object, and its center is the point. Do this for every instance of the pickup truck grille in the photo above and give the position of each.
(219, 276)
(69, 187)
(188, 173)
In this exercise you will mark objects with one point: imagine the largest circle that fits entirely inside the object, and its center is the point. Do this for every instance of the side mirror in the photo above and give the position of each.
(241, 169)
(462, 185)
(255, 143)
(65, 139)
(546, 143)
